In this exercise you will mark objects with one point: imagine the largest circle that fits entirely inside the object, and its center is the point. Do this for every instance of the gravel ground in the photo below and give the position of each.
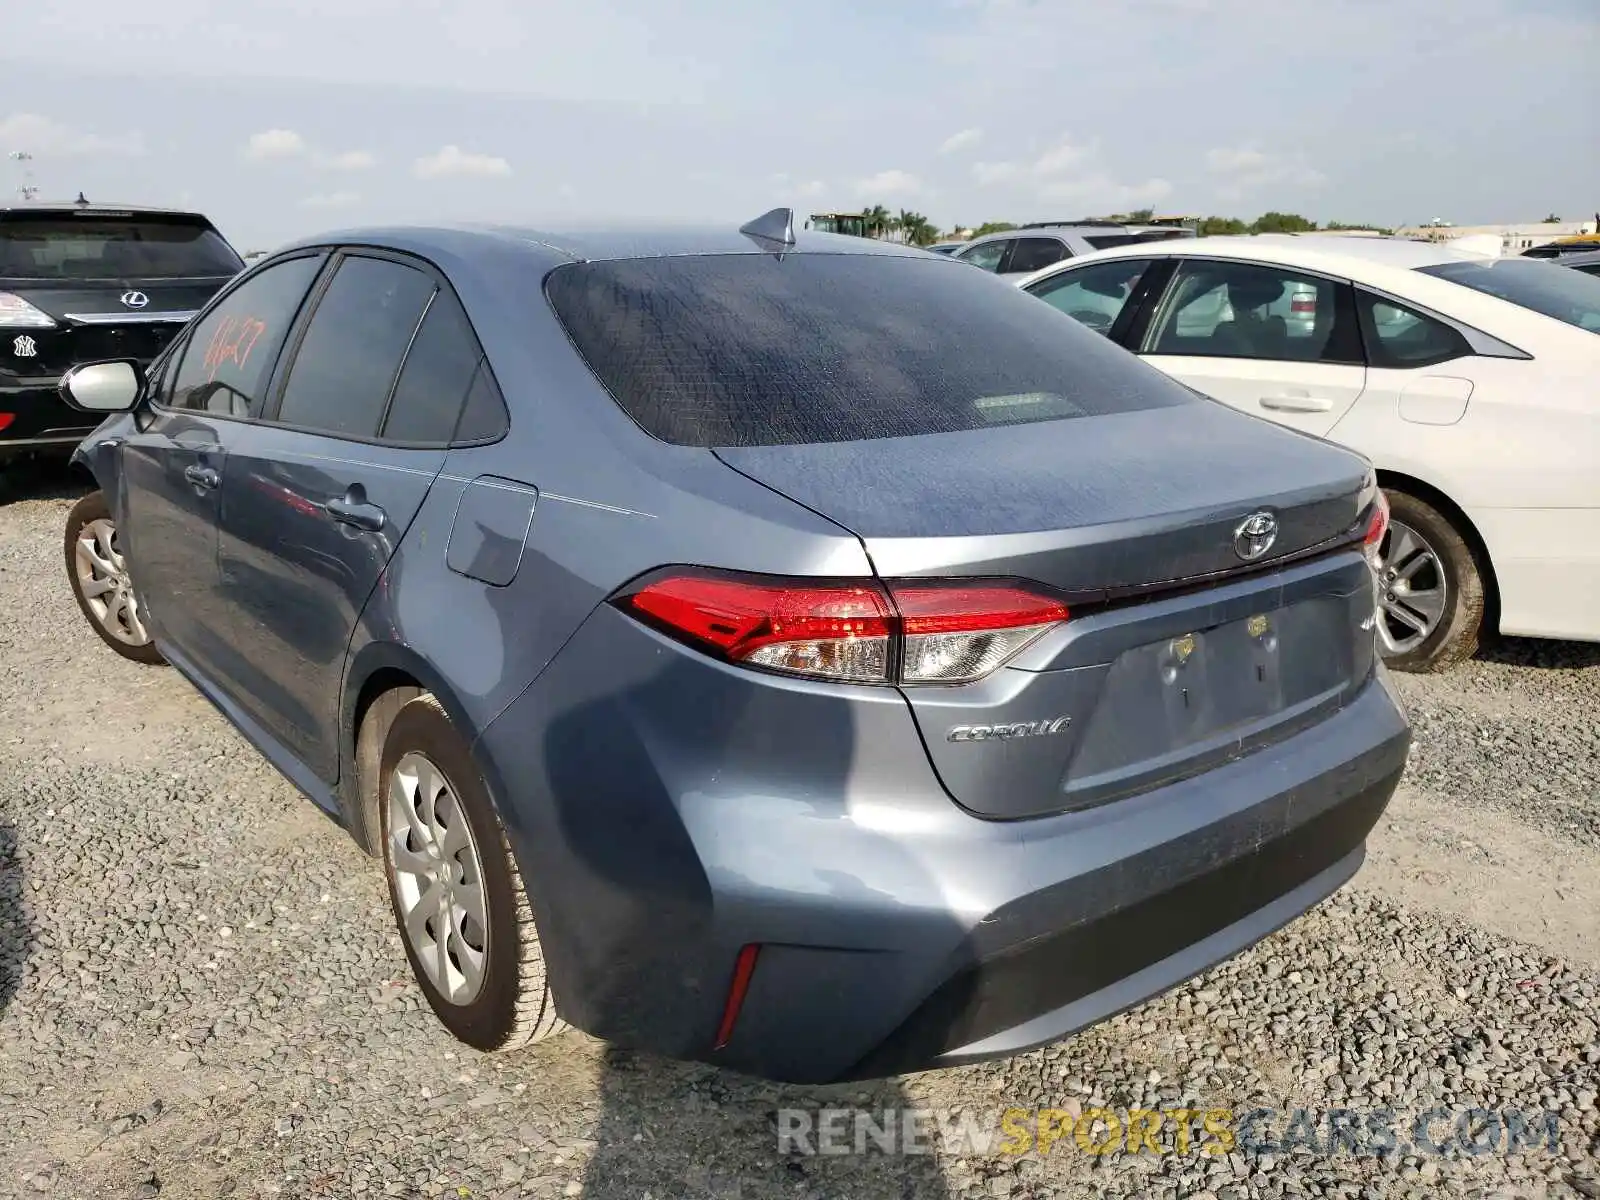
(201, 994)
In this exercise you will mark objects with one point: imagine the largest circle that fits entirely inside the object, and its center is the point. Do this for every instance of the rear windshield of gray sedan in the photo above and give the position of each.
(751, 350)
(1545, 287)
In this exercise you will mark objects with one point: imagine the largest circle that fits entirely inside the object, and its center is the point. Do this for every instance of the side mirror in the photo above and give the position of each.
(104, 387)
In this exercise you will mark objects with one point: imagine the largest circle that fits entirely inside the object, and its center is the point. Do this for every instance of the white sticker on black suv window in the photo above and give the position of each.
(25, 347)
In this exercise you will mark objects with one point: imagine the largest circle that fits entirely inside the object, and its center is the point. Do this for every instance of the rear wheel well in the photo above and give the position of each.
(385, 692)
(1448, 508)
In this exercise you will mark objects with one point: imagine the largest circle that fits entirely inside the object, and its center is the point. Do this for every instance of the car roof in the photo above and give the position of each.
(1388, 264)
(1572, 257)
(594, 244)
(72, 208)
(1045, 230)
(1309, 250)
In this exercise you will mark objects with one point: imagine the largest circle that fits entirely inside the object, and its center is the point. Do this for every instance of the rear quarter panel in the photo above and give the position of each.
(1521, 465)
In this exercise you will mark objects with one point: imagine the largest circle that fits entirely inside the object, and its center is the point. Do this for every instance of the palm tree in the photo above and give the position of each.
(918, 229)
(877, 219)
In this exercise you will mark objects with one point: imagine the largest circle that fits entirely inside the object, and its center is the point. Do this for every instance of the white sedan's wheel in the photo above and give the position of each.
(1430, 589)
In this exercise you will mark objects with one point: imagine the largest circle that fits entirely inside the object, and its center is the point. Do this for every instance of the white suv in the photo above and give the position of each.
(1033, 247)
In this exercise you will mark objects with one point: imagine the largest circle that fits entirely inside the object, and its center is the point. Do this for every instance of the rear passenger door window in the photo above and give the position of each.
(1033, 254)
(1093, 295)
(440, 369)
(1398, 336)
(483, 417)
(228, 358)
(1241, 310)
(1268, 340)
(348, 361)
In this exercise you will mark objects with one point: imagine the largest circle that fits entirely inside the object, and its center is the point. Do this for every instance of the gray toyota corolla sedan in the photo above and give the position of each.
(798, 653)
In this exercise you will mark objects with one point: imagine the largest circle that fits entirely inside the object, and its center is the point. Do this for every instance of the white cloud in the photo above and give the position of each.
(349, 160)
(1052, 164)
(995, 172)
(274, 143)
(33, 134)
(1063, 157)
(1100, 193)
(331, 200)
(960, 141)
(1071, 173)
(452, 160)
(783, 181)
(893, 182)
(1244, 169)
(1225, 161)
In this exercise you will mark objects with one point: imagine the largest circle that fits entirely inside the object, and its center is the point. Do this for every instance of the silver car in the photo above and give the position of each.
(1018, 252)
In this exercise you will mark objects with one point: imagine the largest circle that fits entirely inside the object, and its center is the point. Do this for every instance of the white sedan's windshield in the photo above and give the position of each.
(1556, 291)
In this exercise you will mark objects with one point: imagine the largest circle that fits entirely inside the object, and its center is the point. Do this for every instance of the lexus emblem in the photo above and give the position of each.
(135, 299)
(1255, 535)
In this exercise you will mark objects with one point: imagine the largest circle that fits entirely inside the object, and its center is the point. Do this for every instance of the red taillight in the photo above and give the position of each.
(1377, 526)
(840, 630)
(913, 631)
(743, 968)
(6, 419)
(1303, 304)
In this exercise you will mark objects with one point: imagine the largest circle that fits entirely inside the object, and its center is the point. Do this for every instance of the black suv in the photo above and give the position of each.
(83, 282)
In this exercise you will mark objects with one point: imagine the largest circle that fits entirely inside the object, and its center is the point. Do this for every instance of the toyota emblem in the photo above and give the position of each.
(1255, 535)
(135, 299)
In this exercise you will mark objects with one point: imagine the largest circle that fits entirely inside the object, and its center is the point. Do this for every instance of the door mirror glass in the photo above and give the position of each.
(104, 387)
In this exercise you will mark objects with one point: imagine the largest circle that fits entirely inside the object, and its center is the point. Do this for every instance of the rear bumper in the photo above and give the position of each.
(667, 812)
(39, 419)
(1547, 568)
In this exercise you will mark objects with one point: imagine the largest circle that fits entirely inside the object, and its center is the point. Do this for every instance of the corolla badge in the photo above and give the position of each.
(1255, 535)
(997, 733)
(135, 299)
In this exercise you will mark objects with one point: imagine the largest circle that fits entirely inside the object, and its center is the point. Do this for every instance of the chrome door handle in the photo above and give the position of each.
(356, 514)
(1306, 404)
(202, 477)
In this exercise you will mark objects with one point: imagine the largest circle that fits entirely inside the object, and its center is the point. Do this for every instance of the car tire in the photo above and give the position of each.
(1423, 547)
(101, 583)
(448, 861)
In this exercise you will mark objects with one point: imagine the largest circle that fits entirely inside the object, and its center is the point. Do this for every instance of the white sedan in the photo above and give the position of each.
(1472, 383)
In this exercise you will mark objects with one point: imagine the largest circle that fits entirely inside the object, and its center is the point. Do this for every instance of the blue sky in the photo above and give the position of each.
(289, 117)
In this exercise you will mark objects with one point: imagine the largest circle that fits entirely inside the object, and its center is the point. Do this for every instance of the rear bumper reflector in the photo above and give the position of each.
(743, 968)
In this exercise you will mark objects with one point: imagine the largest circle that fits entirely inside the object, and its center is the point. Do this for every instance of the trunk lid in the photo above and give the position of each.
(1218, 657)
(1096, 507)
(104, 318)
(122, 301)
